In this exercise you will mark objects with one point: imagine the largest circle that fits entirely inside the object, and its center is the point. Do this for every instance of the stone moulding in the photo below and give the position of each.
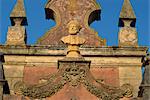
(73, 73)
(85, 51)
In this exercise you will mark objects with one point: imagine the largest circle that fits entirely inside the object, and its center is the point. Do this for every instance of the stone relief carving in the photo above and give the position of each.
(18, 86)
(15, 33)
(74, 74)
(128, 34)
(43, 90)
(67, 10)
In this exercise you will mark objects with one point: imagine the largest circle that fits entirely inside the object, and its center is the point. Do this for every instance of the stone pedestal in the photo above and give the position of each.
(68, 61)
(128, 36)
(16, 35)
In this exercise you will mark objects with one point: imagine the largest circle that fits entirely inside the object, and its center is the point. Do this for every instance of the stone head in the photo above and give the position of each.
(73, 27)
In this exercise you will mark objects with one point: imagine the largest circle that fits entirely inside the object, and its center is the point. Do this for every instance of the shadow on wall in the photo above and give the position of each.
(2, 76)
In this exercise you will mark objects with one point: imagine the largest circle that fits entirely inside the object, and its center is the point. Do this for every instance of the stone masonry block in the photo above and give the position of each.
(13, 70)
(11, 58)
(130, 72)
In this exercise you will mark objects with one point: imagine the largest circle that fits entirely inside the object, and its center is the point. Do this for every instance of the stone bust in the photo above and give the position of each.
(73, 40)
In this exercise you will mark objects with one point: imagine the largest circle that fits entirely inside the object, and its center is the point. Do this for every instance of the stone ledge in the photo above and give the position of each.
(85, 51)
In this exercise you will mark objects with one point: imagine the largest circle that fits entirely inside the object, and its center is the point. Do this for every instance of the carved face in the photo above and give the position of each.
(73, 28)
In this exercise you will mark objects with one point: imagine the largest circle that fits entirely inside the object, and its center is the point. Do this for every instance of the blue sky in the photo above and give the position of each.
(107, 27)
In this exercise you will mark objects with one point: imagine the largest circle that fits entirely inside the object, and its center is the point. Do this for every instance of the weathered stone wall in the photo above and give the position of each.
(113, 66)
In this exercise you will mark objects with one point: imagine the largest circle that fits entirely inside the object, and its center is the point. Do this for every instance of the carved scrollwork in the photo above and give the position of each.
(63, 11)
(106, 92)
(43, 90)
(74, 74)
(102, 92)
(127, 90)
(18, 86)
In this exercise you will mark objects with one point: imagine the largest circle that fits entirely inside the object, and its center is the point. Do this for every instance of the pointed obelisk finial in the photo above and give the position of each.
(19, 12)
(127, 11)
(16, 34)
(127, 34)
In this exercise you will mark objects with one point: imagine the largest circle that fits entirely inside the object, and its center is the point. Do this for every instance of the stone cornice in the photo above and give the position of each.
(85, 51)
